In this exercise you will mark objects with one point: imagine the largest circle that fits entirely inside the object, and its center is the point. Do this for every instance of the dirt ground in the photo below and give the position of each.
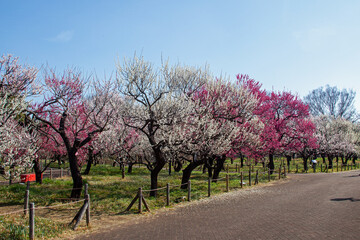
(311, 206)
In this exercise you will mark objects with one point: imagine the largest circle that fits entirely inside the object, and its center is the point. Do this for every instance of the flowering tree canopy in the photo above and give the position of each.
(72, 117)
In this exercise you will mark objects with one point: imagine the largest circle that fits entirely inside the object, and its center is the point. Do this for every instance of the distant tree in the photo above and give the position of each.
(332, 102)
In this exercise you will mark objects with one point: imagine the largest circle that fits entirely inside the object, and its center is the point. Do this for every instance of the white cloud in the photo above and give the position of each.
(64, 36)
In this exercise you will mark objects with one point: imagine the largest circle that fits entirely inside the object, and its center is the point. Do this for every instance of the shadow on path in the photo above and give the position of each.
(345, 199)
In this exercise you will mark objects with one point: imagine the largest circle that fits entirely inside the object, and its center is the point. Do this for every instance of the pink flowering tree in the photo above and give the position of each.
(75, 120)
(280, 113)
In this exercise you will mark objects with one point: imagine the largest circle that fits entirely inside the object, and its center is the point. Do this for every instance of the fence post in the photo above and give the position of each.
(297, 168)
(28, 185)
(32, 221)
(26, 201)
(241, 179)
(167, 194)
(236, 167)
(87, 199)
(209, 187)
(189, 190)
(61, 172)
(351, 166)
(269, 176)
(321, 168)
(86, 191)
(227, 182)
(51, 173)
(140, 200)
(250, 176)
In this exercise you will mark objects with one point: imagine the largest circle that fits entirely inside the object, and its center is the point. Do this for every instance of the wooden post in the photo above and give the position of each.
(51, 173)
(236, 167)
(297, 168)
(227, 182)
(86, 191)
(61, 172)
(32, 221)
(321, 168)
(209, 187)
(250, 177)
(167, 194)
(189, 190)
(279, 172)
(289, 168)
(26, 201)
(337, 166)
(28, 185)
(241, 179)
(87, 199)
(140, 200)
(269, 176)
(253, 168)
(351, 166)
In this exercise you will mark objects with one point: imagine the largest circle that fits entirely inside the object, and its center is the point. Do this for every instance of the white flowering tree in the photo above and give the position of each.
(152, 103)
(337, 137)
(17, 146)
(217, 120)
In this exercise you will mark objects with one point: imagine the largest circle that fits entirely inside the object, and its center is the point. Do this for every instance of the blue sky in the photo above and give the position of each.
(295, 45)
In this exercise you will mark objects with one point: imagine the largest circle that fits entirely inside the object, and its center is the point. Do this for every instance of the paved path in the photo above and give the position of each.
(312, 206)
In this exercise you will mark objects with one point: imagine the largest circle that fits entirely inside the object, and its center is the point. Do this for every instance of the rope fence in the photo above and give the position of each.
(30, 208)
(281, 172)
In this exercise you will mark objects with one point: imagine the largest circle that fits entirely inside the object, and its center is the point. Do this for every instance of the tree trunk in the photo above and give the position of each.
(242, 161)
(330, 159)
(90, 161)
(187, 173)
(76, 175)
(170, 167)
(130, 167)
(288, 159)
(354, 159)
(218, 167)
(305, 159)
(271, 163)
(37, 170)
(159, 164)
(177, 166)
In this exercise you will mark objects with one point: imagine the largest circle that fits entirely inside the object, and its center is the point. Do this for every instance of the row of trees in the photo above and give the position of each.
(154, 116)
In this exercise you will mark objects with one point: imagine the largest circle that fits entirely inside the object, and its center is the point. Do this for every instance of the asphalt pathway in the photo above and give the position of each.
(311, 206)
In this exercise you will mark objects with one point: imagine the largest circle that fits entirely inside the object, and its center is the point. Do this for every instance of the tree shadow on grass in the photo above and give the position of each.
(345, 199)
